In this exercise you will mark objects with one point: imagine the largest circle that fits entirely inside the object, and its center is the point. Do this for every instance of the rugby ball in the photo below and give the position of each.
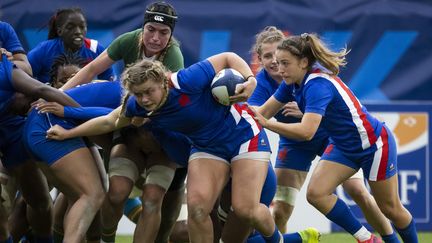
(224, 85)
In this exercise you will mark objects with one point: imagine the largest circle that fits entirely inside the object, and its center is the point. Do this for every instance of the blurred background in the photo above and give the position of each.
(389, 66)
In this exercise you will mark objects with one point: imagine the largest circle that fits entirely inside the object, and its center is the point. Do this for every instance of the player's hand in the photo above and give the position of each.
(7, 53)
(258, 117)
(139, 121)
(57, 132)
(292, 109)
(243, 91)
(51, 107)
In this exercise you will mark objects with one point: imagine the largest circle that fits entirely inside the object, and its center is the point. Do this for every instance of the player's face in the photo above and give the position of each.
(156, 37)
(65, 73)
(148, 94)
(73, 31)
(292, 68)
(268, 60)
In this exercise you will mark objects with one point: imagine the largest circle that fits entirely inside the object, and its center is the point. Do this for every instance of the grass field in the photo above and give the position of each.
(328, 238)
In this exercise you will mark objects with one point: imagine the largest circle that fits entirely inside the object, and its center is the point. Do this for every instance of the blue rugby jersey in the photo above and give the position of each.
(266, 87)
(191, 109)
(42, 56)
(345, 119)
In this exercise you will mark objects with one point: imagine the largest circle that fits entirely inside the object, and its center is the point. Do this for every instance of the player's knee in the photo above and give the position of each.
(391, 209)
(197, 210)
(197, 213)
(117, 198)
(361, 197)
(118, 195)
(152, 200)
(40, 204)
(314, 195)
(245, 211)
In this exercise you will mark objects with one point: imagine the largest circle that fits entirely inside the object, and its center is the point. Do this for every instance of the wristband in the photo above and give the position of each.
(250, 76)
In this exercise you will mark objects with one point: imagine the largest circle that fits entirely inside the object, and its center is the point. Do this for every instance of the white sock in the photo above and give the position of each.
(362, 234)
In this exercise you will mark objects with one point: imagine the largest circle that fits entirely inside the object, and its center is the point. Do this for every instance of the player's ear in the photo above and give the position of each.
(59, 31)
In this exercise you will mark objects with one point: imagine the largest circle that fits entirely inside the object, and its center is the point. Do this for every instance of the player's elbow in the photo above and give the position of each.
(42, 91)
(307, 135)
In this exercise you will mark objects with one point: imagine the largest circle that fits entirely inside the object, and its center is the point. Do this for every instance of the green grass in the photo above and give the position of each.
(327, 238)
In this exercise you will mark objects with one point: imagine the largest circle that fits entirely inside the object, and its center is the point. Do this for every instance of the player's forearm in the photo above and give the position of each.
(25, 66)
(294, 131)
(93, 127)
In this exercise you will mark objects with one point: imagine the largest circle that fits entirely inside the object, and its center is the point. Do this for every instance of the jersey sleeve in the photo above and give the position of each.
(10, 39)
(6, 75)
(318, 95)
(116, 48)
(173, 60)
(259, 96)
(35, 57)
(85, 113)
(284, 93)
(195, 78)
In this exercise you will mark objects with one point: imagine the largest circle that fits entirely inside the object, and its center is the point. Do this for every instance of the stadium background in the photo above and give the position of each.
(390, 64)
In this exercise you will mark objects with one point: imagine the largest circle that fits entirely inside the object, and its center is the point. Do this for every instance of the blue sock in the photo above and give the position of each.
(342, 216)
(409, 234)
(8, 240)
(392, 238)
(43, 239)
(288, 238)
(274, 238)
(292, 238)
(258, 238)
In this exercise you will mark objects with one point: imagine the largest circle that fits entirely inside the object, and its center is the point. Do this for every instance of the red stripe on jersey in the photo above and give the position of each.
(253, 145)
(87, 43)
(369, 130)
(384, 157)
(238, 108)
(250, 112)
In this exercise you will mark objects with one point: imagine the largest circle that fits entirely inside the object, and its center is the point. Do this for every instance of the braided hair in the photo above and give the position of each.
(65, 59)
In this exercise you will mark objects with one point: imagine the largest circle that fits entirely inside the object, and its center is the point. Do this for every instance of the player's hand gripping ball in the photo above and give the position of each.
(224, 85)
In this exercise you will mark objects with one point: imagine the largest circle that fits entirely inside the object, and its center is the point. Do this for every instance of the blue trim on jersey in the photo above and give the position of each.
(42, 56)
